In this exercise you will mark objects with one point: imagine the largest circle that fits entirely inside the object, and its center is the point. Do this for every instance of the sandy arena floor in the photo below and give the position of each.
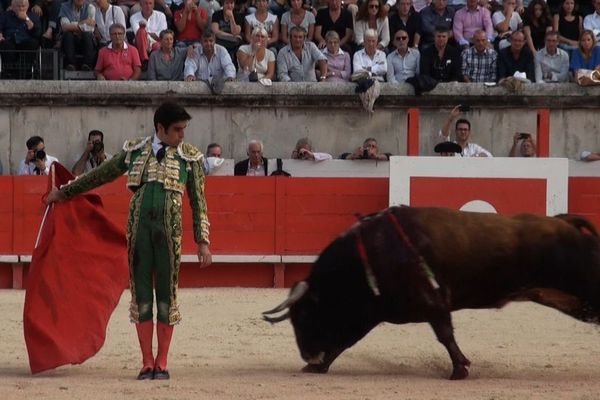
(223, 350)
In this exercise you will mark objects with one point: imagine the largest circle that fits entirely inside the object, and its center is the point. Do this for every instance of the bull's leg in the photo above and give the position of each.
(442, 326)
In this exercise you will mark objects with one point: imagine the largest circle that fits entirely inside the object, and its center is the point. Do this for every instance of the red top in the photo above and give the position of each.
(191, 31)
(117, 65)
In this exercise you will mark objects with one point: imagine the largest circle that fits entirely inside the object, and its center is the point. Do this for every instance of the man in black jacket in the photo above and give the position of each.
(441, 61)
(515, 58)
(255, 164)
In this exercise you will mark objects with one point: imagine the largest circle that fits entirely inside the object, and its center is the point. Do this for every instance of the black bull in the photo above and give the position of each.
(420, 264)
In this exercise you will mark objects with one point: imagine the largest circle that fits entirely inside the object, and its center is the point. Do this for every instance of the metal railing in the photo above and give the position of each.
(30, 64)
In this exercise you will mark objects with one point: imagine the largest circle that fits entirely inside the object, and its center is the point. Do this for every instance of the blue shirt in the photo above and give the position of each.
(577, 61)
(15, 30)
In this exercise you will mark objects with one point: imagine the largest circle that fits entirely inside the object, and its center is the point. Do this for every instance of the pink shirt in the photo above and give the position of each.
(117, 65)
(467, 22)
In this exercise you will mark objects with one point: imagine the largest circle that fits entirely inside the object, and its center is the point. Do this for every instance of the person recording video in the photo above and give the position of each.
(524, 142)
(93, 154)
(36, 161)
(368, 151)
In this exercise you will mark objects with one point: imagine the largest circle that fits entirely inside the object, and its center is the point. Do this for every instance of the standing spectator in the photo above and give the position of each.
(407, 19)
(551, 63)
(147, 25)
(334, 18)
(304, 151)
(592, 22)
(227, 26)
(118, 61)
(36, 162)
(339, 67)
(587, 56)
(106, 15)
(372, 15)
(536, 22)
(402, 63)
(255, 57)
(296, 61)
(435, 16)
(77, 21)
(441, 61)
(255, 164)
(516, 58)
(569, 25)
(370, 60)
(264, 19)
(93, 155)
(297, 16)
(479, 61)
(209, 62)
(526, 148)
(506, 21)
(368, 151)
(190, 21)
(166, 63)
(19, 30)
(462, 134)
(469, 20)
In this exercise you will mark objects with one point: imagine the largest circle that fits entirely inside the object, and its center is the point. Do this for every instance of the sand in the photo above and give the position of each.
(223, 350)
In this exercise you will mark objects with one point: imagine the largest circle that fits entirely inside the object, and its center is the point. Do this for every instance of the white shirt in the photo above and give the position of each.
(378, 65)
(29, 168)
(155, 24)
(592, 22)
(219, 66)
(114, 15)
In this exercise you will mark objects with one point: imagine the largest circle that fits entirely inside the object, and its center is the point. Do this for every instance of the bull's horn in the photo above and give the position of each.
(296, 294)
(274, 320)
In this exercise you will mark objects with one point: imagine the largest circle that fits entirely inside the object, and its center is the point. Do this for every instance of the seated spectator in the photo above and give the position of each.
(441, 61)
(372, 14)
(479, 61)
(297, 16)
(118, 61)
(526, 148)
(93, 155)
(214, 150)
(19, 30)
(36, 162)
(147, 25)
(106, 15)
(334, 18)
(296, 61)
(551, 63)
(227, 26)
(506, 21)
(368, 151)
(77, 21)
(166, 63)
(262, 18)
(339, 67)
(278, 8)
(209, 62)
(448, 149)
(213, 159)
(462, 134)
(48, 14)
(255, 164)
(191, 21)
(536, 22)
(589, 156)
(304, 151)
(370, 60)
(469, 20)
(407, 19)
(403, 63)
(592, 22)
(587, 56)
(436, 17)
(211, 6)
(516, 58)
(127, 6)
(569, 25)
(255, 57)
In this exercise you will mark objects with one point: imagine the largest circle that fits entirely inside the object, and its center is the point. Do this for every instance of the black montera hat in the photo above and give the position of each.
(447, 147)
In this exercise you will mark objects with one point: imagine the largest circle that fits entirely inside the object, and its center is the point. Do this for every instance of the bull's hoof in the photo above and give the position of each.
(315, 369)
(460, 372)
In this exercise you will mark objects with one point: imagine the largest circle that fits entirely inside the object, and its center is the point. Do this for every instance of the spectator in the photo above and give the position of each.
(296, 61)
(370, 60)
(147, 25)
(166, 63)
(462, 134)
(278, 7)
(36, 162)
(209, 62)
(334, 18)
(127, 6)
(479, 61)
(339, 67)
(214, 150)
(526, 148)
(407, 19)
(441, 61)
(213, 159)
(48, 14)
(106, 15)
(551, 63)
(372, 14)
(592, 22)
(469, 20)
(403, 63)
(536, 22)
(304, 151)
(516, 58)
(255, 57)
(191, 21)
(118, 61)
(506, 21)
(1, 168)
(93, 155)
(587, 56)
(255, 164)
(297, 16)
(264, 19)
(19, 30)
(211, 6)
(77, 21)
(589, 156)
(569, 25)
(227, 26)
(368, 151)
(435, 16)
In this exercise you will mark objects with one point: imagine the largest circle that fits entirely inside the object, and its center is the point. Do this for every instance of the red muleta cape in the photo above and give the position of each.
(77, 275)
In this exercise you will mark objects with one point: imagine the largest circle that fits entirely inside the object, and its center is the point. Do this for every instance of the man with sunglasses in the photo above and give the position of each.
(402, 63)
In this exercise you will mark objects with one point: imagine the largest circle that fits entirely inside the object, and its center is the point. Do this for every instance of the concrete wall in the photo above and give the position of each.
(330, 115)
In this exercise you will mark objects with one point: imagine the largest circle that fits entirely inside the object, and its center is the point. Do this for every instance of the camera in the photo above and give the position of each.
(524, 135)
(38, 155)
(98, 147)
(365, 153)
(464, 108)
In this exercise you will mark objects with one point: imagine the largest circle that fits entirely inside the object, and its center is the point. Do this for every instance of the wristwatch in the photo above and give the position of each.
(27, 19)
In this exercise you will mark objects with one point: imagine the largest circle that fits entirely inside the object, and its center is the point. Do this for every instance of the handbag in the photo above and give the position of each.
(586, 77)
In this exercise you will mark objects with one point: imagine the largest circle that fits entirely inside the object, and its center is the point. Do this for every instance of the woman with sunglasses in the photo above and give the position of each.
(371, 15)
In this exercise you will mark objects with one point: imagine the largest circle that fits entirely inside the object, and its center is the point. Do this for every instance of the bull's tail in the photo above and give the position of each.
(582, 224)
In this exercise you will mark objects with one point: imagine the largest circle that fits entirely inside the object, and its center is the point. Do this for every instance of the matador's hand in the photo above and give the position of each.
(204, 255)
(55, 196)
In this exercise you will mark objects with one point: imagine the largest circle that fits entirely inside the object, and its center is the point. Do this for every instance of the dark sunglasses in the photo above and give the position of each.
(373, 5)
(401, 37)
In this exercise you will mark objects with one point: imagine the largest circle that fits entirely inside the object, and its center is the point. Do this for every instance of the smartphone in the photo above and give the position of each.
(523, 135)
(464, 108)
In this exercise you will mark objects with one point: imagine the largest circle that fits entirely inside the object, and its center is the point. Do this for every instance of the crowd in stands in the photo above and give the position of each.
(308, 40)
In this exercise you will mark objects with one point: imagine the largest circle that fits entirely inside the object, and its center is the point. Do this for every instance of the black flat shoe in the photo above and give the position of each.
(161, 374)
(145, 373)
